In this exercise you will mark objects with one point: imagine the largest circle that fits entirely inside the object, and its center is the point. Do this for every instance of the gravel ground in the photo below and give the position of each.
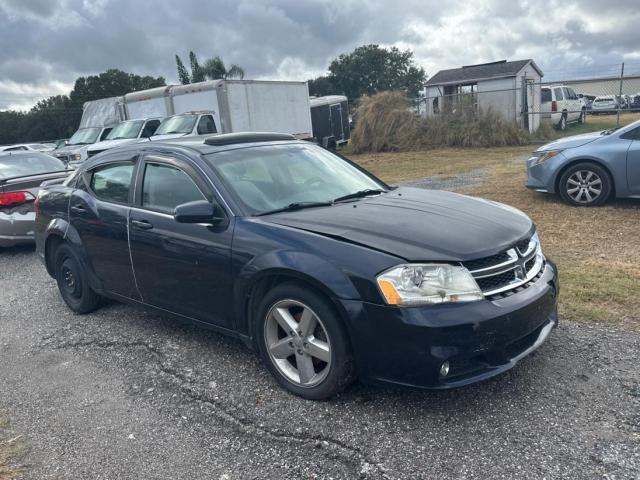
(438, 182)
(126, 393)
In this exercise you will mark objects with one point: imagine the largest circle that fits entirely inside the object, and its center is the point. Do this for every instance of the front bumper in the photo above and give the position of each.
(407, 346)
(541, 176)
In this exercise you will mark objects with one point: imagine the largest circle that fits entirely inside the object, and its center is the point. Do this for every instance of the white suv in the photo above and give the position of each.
(562, 105)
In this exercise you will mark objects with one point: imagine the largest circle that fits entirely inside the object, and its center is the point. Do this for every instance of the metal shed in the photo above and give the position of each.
(510, 88)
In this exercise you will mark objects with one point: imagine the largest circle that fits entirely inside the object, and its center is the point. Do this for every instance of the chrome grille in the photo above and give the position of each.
(512, 269)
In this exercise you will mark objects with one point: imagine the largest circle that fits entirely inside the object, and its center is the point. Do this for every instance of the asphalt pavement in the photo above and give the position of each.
(125, 393)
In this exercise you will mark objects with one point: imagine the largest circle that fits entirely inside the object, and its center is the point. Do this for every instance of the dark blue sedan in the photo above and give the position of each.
(324, 269)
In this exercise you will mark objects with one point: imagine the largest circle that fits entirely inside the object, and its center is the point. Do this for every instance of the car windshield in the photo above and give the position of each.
(126, 130)
(273, 177)
(85, 136)
(177, 124)
(23, 164)
(603, 99)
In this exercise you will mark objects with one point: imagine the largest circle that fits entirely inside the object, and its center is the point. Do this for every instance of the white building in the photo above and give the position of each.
(510, 88)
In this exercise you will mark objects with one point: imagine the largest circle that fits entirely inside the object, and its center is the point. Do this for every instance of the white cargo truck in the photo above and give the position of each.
(249, 105)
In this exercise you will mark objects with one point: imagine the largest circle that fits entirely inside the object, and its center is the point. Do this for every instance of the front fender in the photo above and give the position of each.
(303, 266)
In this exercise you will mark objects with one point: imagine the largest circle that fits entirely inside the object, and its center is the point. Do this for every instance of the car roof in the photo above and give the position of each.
(198, 144)
(25, 153)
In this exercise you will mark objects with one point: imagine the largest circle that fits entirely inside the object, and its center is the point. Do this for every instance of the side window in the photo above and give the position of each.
(165, 187)
(150, 128)
(567, 93)
(558, 93)
(105, 132)
(206, 125)
(112, 182)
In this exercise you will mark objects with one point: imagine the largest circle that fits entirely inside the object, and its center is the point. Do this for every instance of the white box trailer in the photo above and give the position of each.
(249, 105)
(103, 112)
(151, 103)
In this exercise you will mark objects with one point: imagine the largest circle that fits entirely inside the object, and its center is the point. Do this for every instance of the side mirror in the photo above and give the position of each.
(200, 211)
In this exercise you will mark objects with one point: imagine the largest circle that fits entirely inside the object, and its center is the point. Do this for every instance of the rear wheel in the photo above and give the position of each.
(562, 124)
(303, 342)
(72, 282)
(585, 184)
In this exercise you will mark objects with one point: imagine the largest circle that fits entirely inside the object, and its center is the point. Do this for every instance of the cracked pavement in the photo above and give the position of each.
(128, 393)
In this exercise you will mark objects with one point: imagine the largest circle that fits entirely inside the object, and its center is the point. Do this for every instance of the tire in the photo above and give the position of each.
(583, 117)
(585, 185)
(314, 364)
(73, 283)
(562, 124)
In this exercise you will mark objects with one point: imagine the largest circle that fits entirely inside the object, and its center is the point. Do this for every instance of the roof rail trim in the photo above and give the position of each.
(246, 137)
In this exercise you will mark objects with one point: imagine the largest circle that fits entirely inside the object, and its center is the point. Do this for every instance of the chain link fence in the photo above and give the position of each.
(560, 97)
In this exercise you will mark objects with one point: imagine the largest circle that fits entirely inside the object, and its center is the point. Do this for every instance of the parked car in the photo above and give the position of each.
(75, 150)
(626, 101)
(635, 101)
(561, 104)
(186, 125)
(587, 100)
(129, 131)
(605, 104)
(323, 268)
(34, 147)
(21, 174)
(586, 170)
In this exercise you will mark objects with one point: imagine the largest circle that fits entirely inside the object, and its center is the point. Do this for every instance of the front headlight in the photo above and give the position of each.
(428, 283)
(545, 155)
(76, 157)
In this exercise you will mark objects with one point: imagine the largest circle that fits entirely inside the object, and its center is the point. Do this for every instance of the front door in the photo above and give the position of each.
(179, 267)
(633, 163)
(98, 211)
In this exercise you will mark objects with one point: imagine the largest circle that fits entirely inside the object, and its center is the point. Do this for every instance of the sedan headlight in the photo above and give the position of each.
(428, 283)
(76, 157)
(545, 155)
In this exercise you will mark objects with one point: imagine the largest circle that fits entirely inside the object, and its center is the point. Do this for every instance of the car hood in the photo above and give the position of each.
(167, 136)
(69, 149)
(107, 144)
(571, 142)
(417, 225)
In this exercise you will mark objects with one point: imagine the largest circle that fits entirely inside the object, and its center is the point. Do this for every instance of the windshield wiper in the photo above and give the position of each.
(360, 194)
(609, 131)
(294, 206)
(170, 133)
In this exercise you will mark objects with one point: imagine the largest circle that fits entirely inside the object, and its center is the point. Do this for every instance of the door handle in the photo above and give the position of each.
(78, 209)
(142, 224)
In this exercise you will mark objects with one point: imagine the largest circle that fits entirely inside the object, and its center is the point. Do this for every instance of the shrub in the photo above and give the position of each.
(385, 123)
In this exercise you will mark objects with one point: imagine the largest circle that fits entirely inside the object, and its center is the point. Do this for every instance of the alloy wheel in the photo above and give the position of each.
(297, 343)
(584, 186)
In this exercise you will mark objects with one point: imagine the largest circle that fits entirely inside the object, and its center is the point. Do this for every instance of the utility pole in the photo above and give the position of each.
(620, 95)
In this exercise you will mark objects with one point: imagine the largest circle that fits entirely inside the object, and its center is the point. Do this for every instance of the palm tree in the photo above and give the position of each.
(213, 68)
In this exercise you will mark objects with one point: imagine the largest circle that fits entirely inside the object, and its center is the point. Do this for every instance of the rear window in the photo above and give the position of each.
(545, 95)
(23, 164)
(603, 99)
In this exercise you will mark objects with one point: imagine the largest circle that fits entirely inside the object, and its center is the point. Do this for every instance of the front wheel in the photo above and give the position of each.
(303, 342)
(73, 283)
(562, 124)
(585, 184)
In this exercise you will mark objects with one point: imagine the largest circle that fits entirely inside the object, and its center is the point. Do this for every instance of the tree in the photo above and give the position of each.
(197, 74)
(321, 86)
(59, 116)
(370, 69)
(213, 69)
(183, 75)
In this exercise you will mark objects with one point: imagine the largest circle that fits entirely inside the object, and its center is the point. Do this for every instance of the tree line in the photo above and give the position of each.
(366, 70)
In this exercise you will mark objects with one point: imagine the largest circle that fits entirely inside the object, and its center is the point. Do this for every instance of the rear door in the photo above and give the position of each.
(179, 267)
(336, 122)
(99, 211)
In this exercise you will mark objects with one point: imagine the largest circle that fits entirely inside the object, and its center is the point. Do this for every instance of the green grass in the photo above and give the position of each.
(12, 448)
(595, 123)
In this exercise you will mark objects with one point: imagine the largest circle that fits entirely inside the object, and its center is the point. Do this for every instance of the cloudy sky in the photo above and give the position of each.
(46, 44)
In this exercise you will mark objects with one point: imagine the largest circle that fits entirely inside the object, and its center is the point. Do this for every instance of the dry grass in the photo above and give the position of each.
(597, 249)
(384, 123)
(12, 448)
